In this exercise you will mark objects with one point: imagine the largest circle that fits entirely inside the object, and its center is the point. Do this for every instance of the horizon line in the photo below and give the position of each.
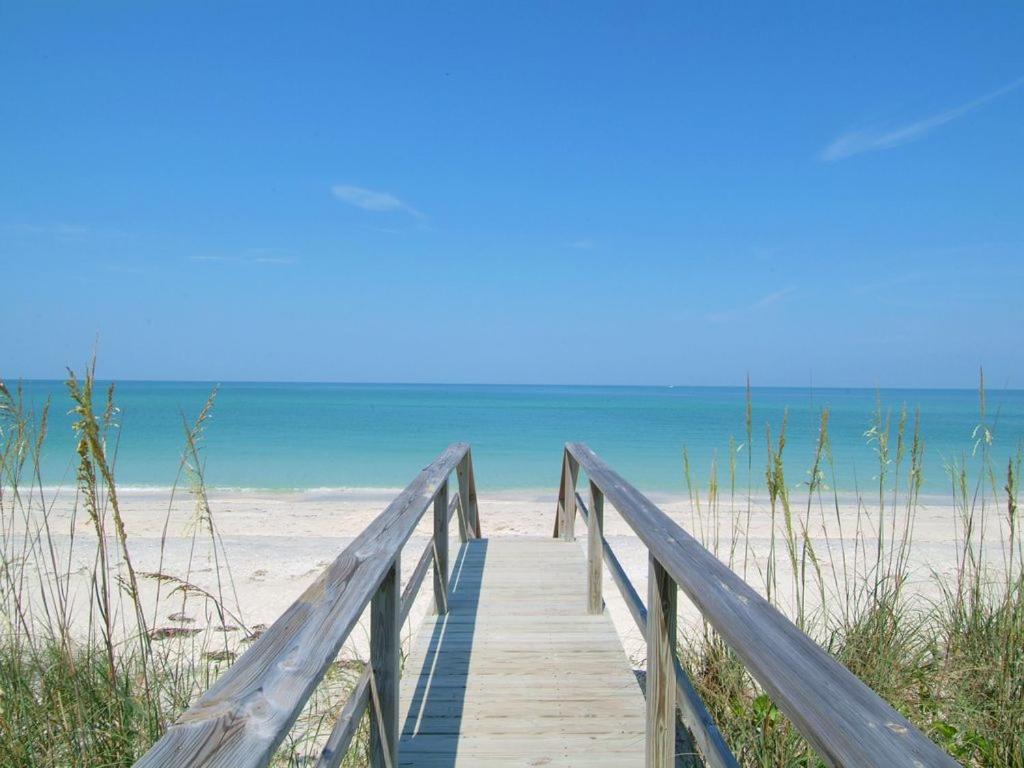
(324, 382)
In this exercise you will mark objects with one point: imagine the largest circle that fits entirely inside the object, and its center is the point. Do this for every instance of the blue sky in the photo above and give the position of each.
(565, 193)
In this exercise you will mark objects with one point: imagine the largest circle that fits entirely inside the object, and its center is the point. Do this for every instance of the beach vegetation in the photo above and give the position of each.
(943, 645)
(97, 660)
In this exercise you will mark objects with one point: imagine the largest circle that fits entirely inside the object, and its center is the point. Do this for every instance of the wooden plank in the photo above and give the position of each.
(412, 587)
(595, 550)
(567, 497)
(504, 680)
(692, 710)
(385, 656)
(455, 505)
(846, 722)
(661, 689)
(345, 726)
(440, 548)
(467, 494)
(243, 717)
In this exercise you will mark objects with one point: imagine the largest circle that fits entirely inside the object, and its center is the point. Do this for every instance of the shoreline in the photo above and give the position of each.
(797, 493)
(277, 542)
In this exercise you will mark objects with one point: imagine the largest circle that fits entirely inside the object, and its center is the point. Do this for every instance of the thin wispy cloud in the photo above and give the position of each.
(876, 138)
(68, 232)
(226, 259)
(764, 301)
(897, 281)
(373, 200)
(585, 244)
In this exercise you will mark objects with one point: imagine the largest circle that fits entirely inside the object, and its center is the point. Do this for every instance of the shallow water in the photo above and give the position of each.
(266, 435)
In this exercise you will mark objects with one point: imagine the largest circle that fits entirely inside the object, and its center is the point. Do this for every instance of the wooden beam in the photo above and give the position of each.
(467, 495)
(345, 726)
(846, 722)
(595, 550)
(692, 710)
(385, 638)
(440, 547)
(247, 712)
(412, 586)
(661, 688)
(567, 497)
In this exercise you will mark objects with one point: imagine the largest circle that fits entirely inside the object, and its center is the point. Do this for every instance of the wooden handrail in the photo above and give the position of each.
(359, 699)
(846, 722)
(694, 713)
(244, 716)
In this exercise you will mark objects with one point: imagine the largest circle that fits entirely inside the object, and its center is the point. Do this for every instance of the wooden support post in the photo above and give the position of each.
(384, 659)
(467, 495)
(570, 474)
(441, 549)
(661, 679)
(595, 550)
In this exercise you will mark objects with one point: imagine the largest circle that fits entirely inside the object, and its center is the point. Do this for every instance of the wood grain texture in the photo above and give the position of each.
(517, 673)
(455, 505)
(385, 657)
(567, 498)
(661, 651)
(595, 553)
(846, 722)
(440, 548)
(467, 494)
(243, 717)
(412, 586)
(348, 720)
(345, 726)
(692, 710)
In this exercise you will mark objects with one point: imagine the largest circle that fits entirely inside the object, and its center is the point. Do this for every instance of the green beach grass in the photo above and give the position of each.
(953, 665)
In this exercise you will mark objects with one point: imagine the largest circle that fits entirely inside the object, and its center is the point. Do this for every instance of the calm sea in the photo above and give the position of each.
(346, 435)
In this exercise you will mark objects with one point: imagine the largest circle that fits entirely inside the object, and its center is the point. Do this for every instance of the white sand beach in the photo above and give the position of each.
(276, 543)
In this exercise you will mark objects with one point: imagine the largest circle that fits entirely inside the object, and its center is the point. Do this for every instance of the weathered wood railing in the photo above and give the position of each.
(843, 719)
(242, 719)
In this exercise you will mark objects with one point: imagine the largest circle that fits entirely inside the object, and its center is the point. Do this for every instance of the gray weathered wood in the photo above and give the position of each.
(517, 673)
(661, 688)
(633, 601)
(846, 722)
(243, 717)
(595, 550)
(567, 498)
(348, 721)
(467, 495)
(345, 726)
(455, 505)
(412, 586)
(440, 546)
(692, 710)
(385, 639)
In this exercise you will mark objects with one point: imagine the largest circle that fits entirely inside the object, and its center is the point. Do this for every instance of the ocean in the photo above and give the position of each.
(305, 436)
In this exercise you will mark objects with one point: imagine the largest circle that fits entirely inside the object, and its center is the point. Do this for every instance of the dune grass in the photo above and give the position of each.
(99, 692)
(91, 672)
(951, 662)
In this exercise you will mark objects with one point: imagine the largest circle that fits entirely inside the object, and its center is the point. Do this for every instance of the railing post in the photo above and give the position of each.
(570, 474)
(384, 659)
(595, 550)
(467, 495)
(441, 549)
(661, 680)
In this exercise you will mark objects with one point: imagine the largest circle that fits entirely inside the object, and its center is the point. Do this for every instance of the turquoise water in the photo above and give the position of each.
(347, 435)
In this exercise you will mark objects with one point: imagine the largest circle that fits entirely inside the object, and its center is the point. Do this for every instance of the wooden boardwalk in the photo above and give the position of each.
(521, 665)
(517, 673)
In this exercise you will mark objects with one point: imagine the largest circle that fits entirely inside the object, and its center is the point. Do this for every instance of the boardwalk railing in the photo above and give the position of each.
(843, 719)
(242, 719)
